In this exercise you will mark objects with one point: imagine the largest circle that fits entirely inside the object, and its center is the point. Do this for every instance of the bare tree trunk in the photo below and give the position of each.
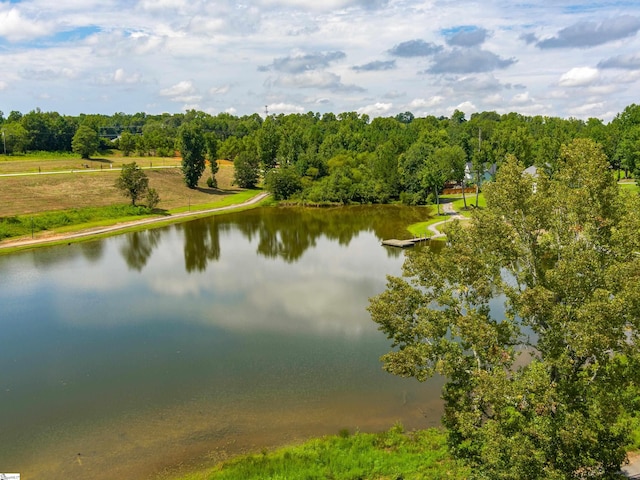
(464, 196)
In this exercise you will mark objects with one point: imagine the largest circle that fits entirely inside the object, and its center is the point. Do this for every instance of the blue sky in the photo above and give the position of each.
(379, 57)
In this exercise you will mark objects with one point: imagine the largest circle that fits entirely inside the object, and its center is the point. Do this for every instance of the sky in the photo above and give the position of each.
(562, 58)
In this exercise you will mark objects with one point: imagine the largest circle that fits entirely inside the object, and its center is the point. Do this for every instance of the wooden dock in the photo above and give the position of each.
(404, 243)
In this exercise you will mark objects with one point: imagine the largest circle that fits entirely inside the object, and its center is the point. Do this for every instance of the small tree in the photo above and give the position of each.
(192, 147)
(152, 198)
(212, 154)
(85, 141)
(133, 182)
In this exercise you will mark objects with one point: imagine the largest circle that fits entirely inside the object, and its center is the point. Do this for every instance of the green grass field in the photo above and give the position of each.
(629, 187)
(388, 455)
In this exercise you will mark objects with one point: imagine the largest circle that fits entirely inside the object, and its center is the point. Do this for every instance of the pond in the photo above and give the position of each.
(161, 350)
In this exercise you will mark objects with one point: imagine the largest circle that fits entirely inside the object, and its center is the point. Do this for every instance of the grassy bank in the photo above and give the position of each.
(41, 196)
(388, 455)
(30, 225)
(422, 228)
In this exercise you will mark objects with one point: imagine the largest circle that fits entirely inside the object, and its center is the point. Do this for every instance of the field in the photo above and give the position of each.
(94, 187)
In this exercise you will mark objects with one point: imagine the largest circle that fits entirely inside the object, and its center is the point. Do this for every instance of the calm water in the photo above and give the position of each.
(160, 350)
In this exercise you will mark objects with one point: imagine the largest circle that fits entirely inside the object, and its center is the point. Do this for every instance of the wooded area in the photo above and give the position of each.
(344, 158)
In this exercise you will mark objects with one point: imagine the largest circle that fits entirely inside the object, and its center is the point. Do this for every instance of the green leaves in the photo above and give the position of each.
(85, 141)
(192, 146)
(553, 258)
(134, 184)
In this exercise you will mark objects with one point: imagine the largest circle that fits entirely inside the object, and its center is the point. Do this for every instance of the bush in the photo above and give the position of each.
(152, 198)
(283, 183)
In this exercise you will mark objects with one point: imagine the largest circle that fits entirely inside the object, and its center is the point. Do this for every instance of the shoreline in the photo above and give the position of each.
(48, 239)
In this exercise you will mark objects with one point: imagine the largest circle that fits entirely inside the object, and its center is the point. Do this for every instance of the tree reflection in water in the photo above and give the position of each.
(138, 248)
(280, 232)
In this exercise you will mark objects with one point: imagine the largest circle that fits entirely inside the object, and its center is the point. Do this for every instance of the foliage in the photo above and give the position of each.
(23, 225)
(192, 146)
(283, 183)
(127, 143)
(85, 142)
(246, 170)
(152, 198)
(391, 158)
(267, 142)
(14, 138)
(133, 182)
(391, 454)
(212, 155)
(561, 259)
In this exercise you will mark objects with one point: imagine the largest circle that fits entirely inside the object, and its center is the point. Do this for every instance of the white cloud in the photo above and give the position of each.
(3, 85)
(83, 52)
(467, 107)
(219, 90)
(579, 77)
(313, 79)
(119, 77)
(521, 99)
(587, 109)
(163, 5)
(285, 108)
(315, 5)
(426, 102)
(494, 99)
(192, 106)
(377, 109)
(14, 27)
(183, 92)
(182, 88)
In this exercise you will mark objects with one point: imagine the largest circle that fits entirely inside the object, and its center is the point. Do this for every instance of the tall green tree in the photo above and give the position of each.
(85, 142)
(14, 137)
(132, 182)
(246, 170)
(127, 143)
(541, 387)
(192, 146)
(212, 155)
(268, 141)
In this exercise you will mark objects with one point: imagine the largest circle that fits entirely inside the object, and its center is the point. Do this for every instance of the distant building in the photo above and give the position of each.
(532, 171)
(470, 175)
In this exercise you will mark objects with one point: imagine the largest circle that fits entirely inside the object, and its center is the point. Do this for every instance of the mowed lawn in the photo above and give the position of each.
(30, 194)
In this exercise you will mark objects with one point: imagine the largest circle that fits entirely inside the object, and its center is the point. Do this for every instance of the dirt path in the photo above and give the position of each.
(56, 237)
(447, 208)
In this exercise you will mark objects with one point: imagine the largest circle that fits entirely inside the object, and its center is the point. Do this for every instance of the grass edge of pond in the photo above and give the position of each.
(233, 199)
(389, 454)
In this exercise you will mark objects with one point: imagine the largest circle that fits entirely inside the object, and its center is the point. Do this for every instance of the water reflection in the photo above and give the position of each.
(201, 244)
(284, 233)
(131, 348)
(138, 248)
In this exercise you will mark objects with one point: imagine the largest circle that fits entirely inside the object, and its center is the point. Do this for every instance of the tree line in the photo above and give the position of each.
(344, 158)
